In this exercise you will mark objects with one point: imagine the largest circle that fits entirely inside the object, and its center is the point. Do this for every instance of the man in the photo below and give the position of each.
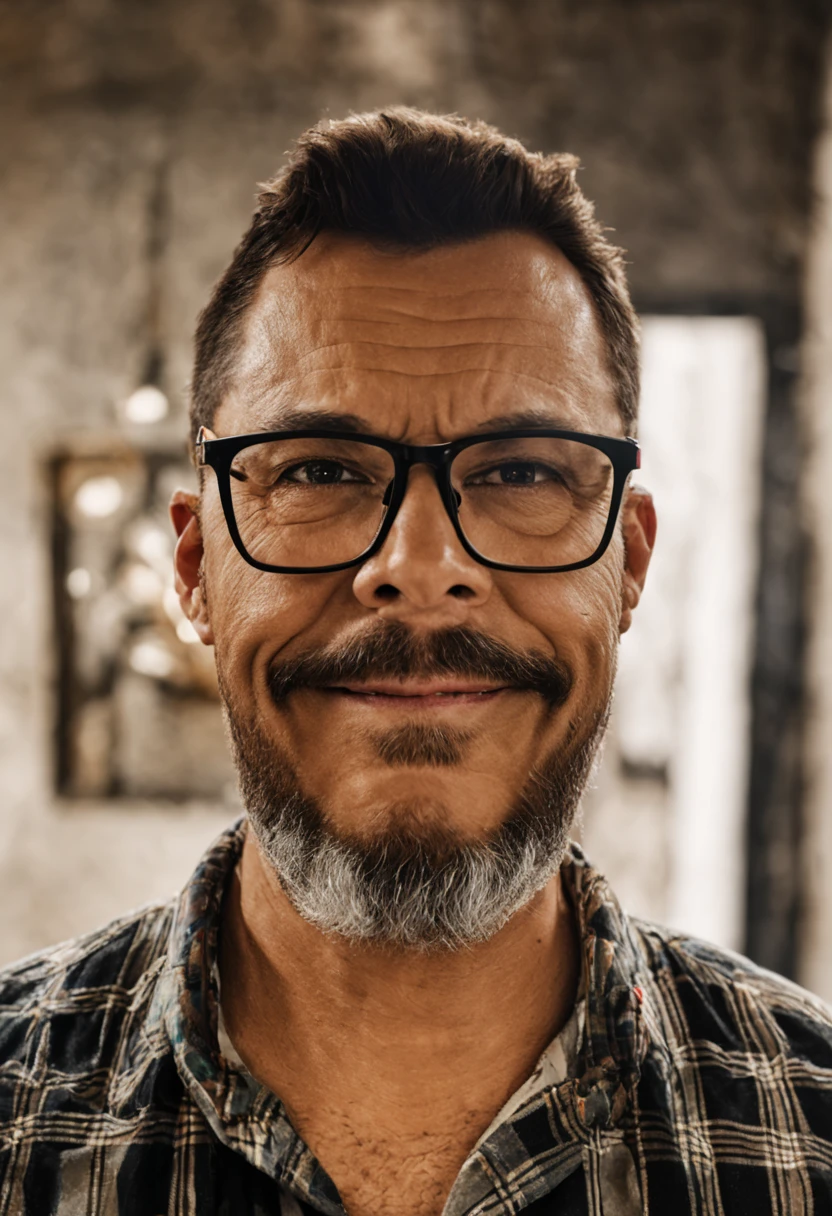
(396, 988)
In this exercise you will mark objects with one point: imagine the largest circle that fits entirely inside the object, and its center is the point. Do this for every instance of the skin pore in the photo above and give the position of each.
(392, 1063)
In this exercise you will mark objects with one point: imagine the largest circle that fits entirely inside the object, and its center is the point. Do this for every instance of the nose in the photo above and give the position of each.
(422, 574)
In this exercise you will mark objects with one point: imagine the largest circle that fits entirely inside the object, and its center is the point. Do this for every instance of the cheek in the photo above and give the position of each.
(252, 611)
(577, 614)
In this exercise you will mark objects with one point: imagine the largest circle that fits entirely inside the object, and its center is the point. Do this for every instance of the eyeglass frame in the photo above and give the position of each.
(624, 456)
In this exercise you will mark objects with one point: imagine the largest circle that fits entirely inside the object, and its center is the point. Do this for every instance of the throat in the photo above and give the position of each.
(391, 1064)
(387, 1153)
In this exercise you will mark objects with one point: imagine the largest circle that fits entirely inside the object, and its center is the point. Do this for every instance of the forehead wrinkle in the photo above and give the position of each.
(546, 281)
(447, 415)
(396, 360)
(344, 331)
(341, 341)
(364, 347)
(523, 363)
(308, 298)
(553, 388)
(438, 307)
(297, 319)
(575, 315)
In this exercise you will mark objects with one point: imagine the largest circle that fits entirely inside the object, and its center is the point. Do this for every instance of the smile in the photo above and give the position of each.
(418, 696)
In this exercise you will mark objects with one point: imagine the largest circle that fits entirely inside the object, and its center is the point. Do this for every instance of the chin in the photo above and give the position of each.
(458, 806)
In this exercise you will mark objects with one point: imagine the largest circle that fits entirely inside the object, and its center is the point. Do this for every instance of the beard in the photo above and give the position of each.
(417, 884)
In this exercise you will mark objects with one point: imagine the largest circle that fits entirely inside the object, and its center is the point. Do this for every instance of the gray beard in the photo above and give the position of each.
(413, 887)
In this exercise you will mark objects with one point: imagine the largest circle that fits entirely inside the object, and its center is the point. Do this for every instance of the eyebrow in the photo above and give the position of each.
(299, 418)
(523, 419)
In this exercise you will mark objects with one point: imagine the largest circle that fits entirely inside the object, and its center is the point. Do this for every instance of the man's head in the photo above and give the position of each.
(413, 731)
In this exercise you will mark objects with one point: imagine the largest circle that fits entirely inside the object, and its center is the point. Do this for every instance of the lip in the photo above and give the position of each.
(411, 695)
(412, 688)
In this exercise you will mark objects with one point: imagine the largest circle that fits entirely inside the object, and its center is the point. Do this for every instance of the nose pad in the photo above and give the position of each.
(387, 497)
(388, 494)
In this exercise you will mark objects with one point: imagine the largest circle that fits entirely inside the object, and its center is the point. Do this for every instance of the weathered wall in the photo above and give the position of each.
(134, 135)
(816, 963)
(694, 119)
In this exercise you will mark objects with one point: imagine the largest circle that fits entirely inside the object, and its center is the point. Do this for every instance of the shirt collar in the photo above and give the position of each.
(615, 1038)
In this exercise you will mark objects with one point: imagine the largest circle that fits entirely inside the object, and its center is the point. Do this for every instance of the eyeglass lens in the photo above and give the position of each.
(309, 502)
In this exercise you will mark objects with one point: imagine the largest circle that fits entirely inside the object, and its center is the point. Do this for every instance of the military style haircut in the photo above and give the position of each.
(412, 180)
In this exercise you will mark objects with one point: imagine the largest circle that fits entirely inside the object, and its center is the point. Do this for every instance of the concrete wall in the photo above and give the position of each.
(134, 135)
(816, 962)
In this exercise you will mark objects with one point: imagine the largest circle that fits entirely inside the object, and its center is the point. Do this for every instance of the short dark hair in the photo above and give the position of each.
(416, 181)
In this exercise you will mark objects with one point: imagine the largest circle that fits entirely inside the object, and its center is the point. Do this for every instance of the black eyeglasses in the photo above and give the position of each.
(317, 501)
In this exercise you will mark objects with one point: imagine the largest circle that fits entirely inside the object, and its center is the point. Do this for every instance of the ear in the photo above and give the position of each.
(639, 527)
(187, 562)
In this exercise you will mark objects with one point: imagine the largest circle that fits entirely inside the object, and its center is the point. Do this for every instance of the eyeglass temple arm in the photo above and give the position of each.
(199, 446)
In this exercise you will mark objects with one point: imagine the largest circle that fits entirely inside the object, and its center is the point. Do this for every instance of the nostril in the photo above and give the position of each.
(460, 592)
(386, 592)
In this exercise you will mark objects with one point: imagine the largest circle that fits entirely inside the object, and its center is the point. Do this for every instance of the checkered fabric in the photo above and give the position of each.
(701, 1084)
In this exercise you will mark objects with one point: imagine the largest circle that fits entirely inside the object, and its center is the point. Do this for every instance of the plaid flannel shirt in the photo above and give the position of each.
(700, 1083)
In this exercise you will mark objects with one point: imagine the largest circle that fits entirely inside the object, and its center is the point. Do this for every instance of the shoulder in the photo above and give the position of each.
(77, 987)
(704, 993)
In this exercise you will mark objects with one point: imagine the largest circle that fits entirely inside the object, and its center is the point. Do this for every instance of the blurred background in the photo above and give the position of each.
(134, 135)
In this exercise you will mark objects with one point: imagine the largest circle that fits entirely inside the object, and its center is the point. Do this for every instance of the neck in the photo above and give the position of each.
(418, 1037)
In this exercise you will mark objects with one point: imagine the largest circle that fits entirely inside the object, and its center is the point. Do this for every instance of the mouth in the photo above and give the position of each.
(394, 694)
(392, 668)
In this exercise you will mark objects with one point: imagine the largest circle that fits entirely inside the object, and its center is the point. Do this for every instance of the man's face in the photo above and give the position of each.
(422, 348)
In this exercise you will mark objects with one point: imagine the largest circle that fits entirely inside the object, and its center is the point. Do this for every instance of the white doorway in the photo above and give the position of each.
(667, 820)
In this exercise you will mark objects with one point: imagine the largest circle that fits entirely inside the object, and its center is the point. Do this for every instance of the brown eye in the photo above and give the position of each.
(517, 474)
(319, 473)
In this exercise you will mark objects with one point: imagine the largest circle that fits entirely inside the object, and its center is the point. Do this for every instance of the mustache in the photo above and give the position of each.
(392, 651)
